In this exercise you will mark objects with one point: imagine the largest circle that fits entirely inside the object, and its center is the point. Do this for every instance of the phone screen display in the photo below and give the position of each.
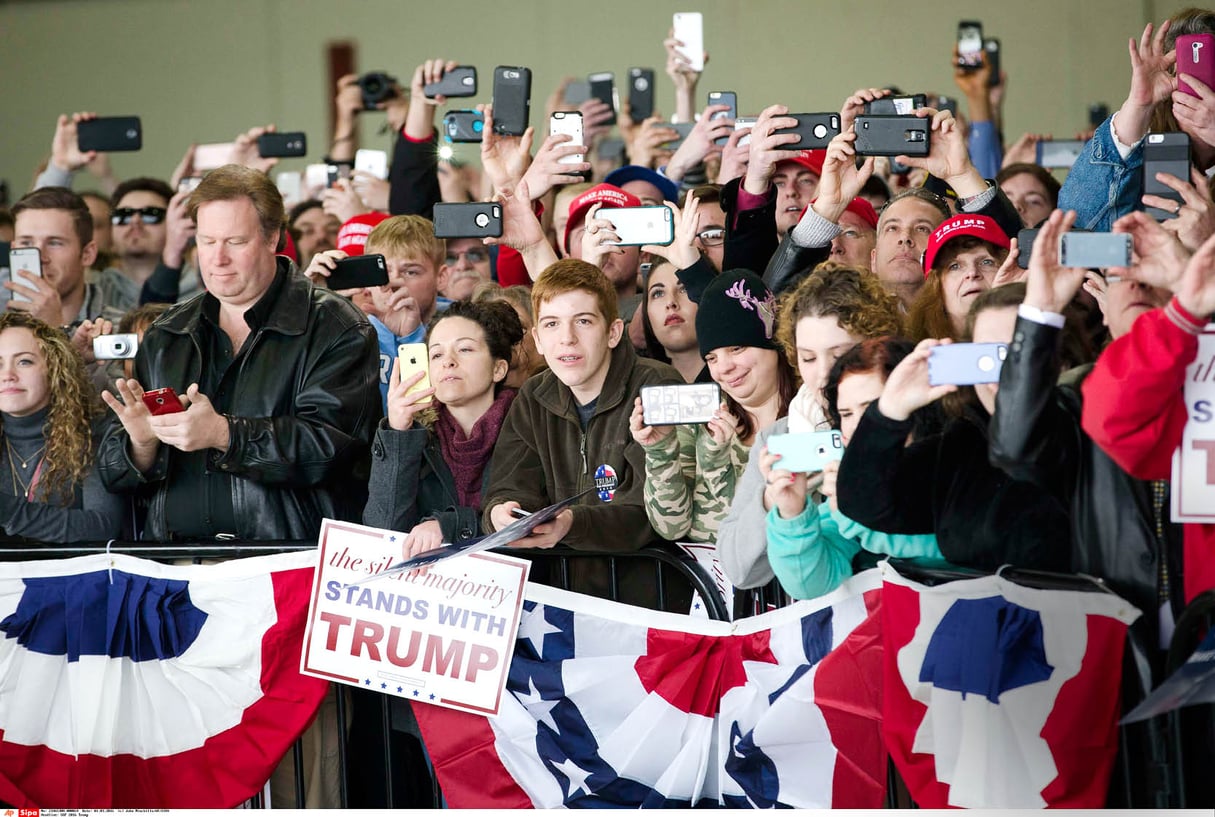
(970, 44)
(676, 404)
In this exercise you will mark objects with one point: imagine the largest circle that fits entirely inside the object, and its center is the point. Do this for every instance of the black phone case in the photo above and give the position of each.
(1165, 153)
(463, 126)
(641, 94)
(602, 89)
(277, 145)
(892, 136)
(512, 100)
(459, 81)
(359, 271)
(478, 219)
(110, 134)
(727, 98)
(885, 106)
(815, 129)
(1025, 246)
(991, 47)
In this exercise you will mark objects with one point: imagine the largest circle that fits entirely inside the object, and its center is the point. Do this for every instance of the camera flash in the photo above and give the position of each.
(445, 152)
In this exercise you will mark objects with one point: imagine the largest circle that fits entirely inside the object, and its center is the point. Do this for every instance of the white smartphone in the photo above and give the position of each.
(374, 162)
(316, 179)
(568, 122)
(689, 30)
(741, 122)
(289, 184)
(213, 155)
(640, 225)
(24, 259)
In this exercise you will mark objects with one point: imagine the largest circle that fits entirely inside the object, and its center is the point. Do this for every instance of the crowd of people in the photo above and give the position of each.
(813, 287)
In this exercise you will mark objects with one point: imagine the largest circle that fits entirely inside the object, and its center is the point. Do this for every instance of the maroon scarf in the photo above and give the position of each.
(467, 456)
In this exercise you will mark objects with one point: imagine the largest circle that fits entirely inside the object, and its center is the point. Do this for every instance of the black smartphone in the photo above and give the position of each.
(724, 98)
(477, 219)
(1025, 246)
(946, 103)
(896, 105)
(892, 136)
(110, 134)
(282, 144)
(512, 100)
(1098, 113)
(359, 271)
(816, 130)
(459, 81)
(970, 44)
(611, 150)
(641, 94)
(463, 126)
(1165, 153)
(992, 46)
(603, 88)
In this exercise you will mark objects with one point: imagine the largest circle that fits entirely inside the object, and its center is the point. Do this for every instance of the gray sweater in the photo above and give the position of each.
(742, 539)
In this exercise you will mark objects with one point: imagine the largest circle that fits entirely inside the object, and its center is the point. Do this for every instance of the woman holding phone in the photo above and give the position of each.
(50, 491)
(430, 458)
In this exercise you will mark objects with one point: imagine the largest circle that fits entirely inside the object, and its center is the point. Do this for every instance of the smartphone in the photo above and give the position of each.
(892, 136)
(815, 130)
(290, 186)
(476, 219)
(689, 30)
(374, 162)
(115, 347)
(683, 129)
(459, 81)
(724, 98)
(1025, 246)
(992, 46)
(519, 513)
(603, 88)
(512, 99)
(578, 91)
(316, 177)
(1098, 113)
(188, 183)
(110, 134)
(24, 259)
(640, 225)
(463, 126)
(610, 150)
(332, 174)
(741, 122)
(1095, 250)
(895, 105)
(945, 103)
(676, 404)
(413, 358)
(641, 94)
(162, 401)
(568, 122)
(806, 452)
(1059, 152)
(282, 145)
(213, 155)
(359, 271)
(970, 44)
(1196, 57)
(965, 364)
(1165, 153)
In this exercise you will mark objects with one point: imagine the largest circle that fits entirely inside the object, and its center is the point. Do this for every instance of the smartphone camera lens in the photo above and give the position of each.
(820, 131)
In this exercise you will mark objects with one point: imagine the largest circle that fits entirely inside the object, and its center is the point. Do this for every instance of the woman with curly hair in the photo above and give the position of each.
(49, 488)
(430, 459)
(830, 311)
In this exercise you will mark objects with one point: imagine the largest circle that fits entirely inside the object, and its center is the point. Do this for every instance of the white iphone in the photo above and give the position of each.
(374, 162)
(689, 29)
(570, 123)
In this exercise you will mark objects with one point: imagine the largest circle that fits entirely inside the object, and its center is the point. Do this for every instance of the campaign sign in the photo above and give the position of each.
(443, 636)
(1194, 462)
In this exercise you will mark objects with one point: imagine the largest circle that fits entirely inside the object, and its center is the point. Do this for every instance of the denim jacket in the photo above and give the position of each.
(1102, 186)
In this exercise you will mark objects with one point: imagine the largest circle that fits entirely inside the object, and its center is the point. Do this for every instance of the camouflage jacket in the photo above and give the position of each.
(689, 483)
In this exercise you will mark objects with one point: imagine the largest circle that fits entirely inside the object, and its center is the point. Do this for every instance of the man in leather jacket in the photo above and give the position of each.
(278, 380)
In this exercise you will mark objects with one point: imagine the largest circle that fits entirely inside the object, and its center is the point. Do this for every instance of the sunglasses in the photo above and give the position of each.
(148, 215)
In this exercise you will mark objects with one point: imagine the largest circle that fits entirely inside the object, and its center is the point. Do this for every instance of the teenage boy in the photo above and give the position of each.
(571, 419)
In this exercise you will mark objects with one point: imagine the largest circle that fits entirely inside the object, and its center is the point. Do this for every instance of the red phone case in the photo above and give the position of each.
(1196, 57)
(162, 401)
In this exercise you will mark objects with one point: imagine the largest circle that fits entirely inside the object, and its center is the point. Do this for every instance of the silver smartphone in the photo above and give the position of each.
(679, 403)
(635, 226)
(23, 259)
(1095, 250)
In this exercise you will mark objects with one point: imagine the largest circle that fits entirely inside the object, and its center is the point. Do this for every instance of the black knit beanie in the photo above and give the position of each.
(736, 309)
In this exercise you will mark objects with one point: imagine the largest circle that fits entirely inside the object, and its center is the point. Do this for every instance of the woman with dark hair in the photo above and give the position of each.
(669, 322)
(48, 411)
(813, 547)
(963, 257)
(691, 470)
(946, 484)
(1032, 190)
(430, 464)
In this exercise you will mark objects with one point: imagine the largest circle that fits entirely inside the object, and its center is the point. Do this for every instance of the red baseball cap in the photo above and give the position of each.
(609, 195)
(963, 225)
(858, 207)
(812, 160)
(352, 236)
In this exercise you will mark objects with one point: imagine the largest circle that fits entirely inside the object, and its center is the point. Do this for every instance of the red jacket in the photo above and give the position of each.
(1134, 408)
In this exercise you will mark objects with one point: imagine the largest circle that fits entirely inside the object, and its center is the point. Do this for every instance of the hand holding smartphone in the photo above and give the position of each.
(568, 123)
(413, 358)
(23, 259)
(806, 452)
(162, 401)
(966, 364)
(689, 30)
(109, 134)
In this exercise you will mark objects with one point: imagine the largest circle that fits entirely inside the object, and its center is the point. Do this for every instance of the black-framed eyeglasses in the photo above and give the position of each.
(148, 215)
(712, 237)
(473, 256)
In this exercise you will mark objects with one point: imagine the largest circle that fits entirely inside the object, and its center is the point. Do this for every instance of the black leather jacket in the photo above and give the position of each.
(1036, 436)
(304, 408)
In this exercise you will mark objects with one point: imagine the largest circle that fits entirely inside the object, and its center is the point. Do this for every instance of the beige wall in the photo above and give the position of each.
(202, 70)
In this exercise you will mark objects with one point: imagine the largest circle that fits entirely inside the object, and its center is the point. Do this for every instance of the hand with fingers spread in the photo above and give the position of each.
(1196, 288)
(645, 435)
(682, 251)
(504, 158)
(734, 157)
(1158, 257)
(841, 180)
(548, 170)
(700, 141)
(404, 405)
(65, 151)
(907, 388)
(129, 408)
(948, 155)
(1152, 81)
(1195, 220)
(1049, 285)
(768, 148)
(420, 118)
(854, 105)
